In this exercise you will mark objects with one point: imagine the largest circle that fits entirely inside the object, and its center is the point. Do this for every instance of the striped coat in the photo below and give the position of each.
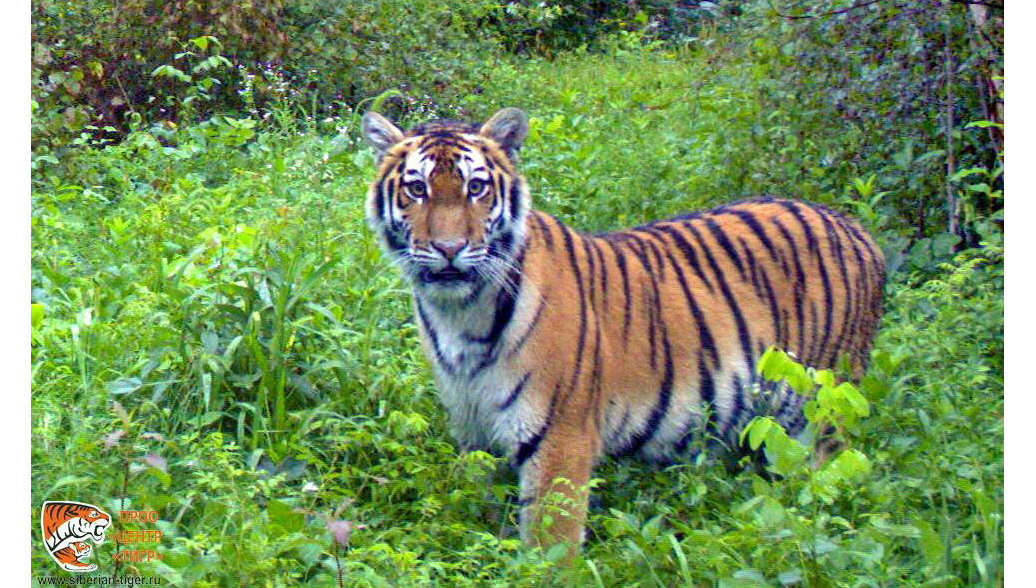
(556, 348)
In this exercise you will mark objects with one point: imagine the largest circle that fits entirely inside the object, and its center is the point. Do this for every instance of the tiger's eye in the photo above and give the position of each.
(417, 189)
(476, 187)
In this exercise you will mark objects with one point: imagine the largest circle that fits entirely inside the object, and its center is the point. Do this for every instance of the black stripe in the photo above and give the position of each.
(811, 239)
(753, 223)
(578, 276)
(812, 359)
(652, 299)
(636, 245)
(861, 286)
(661, 408)
(753, 274)
(737, 410)
(812, 245)
(505, 301)
(591, 270)
(772, 298)
(515, 392)
(649, 242)
(763, 290)
(393, 241)
(516, 199)
(828, 306)
(604, 272)
(742, 328)
(705, 340)
(548, 239)
(440, 358)
(397, 196)
(620, 260)
(835, 243)
(595, 380)
(688, 253)
(379, 200)
(505, 304)
(498, 180)
(651, 308)
(529, 447)
(798, 287)
(532, 327)
(721, 237)
(784, 264)
(501, 246)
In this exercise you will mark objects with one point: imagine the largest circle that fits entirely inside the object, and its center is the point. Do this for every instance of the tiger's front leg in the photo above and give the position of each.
(553, 482)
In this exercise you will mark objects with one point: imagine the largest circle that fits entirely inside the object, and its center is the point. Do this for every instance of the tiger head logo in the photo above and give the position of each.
(66, 527)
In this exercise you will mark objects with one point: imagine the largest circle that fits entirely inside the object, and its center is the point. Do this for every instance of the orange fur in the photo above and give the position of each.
(555, 348)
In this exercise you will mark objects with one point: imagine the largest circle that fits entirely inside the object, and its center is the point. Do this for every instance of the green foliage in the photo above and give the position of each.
(213, 326)
(99, 67)
(832, 411)
(903, 82)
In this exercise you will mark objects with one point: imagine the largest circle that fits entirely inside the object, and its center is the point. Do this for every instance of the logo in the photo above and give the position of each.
(66, 528)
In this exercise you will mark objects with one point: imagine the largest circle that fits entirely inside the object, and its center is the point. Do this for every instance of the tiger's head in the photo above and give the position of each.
(448, 202)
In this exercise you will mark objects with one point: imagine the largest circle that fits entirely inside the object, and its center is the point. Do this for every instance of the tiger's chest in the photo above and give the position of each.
(481, 416)
(479, 370)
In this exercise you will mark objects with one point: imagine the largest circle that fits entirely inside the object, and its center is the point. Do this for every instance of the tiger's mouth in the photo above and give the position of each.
(447, 275)
(100, 527)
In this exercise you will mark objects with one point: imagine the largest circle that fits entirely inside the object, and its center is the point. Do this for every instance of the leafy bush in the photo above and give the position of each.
(902, 82)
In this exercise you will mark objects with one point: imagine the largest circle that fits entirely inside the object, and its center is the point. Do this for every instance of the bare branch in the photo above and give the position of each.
(833, 12)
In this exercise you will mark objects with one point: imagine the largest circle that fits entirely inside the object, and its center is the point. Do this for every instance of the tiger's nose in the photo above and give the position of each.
(449, 247)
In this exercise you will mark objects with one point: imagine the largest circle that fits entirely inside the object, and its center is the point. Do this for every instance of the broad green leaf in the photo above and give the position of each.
(824, 377)
(284, 515)
(859, 404)
(983, 124)
(124, 386)
(931, 544)
(206, 419)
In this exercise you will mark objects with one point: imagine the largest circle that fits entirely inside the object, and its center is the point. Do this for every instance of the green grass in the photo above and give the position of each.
(216, 295)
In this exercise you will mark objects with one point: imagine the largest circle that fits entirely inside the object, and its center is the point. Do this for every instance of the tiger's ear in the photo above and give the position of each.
(380, 133)
(508, 128)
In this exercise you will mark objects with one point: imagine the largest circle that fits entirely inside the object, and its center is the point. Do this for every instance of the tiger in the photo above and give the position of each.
(66, 525)
(555, 348)
(69, 557)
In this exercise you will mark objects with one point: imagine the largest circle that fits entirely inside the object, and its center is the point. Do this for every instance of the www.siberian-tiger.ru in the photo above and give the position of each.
(555, 348)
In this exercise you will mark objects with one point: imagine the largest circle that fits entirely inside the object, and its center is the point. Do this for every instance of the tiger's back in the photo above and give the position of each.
(555, 348)
(666, 321)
